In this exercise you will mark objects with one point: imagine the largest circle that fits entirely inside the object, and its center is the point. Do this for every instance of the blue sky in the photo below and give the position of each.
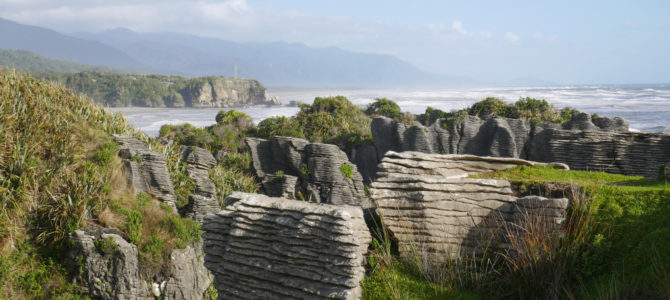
(566, 42)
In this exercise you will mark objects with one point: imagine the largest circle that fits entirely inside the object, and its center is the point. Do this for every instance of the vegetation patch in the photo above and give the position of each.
(525, 108)
(347, 170)
(619, 252)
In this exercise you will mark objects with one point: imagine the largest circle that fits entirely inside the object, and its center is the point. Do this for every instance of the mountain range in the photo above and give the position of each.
(274, 64)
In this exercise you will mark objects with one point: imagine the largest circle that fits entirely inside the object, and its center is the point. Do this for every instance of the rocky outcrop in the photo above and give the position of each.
(227, 92)
(106, 266)
(583, 143)
(432, 207)
(203, 201)
(311, 171)
(109, 271)
(273, 248)
(146, 170)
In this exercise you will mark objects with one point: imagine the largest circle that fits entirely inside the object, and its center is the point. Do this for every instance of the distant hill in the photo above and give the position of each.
(26, 60)
(55, 45)
(118, 90)
(276, 64)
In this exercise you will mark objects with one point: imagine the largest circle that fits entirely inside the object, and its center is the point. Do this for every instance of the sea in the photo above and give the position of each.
(647, 107)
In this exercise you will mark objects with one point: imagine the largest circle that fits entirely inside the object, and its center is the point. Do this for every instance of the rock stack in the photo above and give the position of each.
(273, 248)
(583, 143)
(146, 170)
(313, 172)
(433, 209)
(198, 163)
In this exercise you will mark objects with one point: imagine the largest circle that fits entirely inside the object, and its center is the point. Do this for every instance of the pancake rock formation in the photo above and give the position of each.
(583, 143)
(431, 206)
(297, 169)
(146, 171)
(273, 248)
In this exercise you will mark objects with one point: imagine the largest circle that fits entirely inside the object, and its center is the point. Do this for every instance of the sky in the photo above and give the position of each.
(563, 42)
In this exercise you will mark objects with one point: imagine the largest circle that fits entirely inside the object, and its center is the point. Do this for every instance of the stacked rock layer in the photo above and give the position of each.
(273, 248)
(583, 143)
(315, 172)
(433, 209)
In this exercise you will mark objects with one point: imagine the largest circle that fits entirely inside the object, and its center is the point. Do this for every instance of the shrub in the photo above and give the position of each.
(489, 106)
(106, 153)
(347, 170)
(334, 120)
(384, 107)
(106, 246)
(279, 126)
(229, 179)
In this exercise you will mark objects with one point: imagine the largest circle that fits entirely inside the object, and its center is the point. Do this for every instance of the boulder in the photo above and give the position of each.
(146, 170)
(106, 266)
(273, 248)
(431, 206)
(322, 170)
(110, 272)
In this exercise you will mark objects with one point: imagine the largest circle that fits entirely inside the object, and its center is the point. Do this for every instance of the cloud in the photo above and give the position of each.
(511, 36)
(458, 27)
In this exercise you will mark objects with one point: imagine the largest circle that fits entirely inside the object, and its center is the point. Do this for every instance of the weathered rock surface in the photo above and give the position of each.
(275, 248)
(112, 275)
(428, 202)
(146, 170)
(582, 143)
(111, 270)
(317, 167)
(198, 163)
(227, 92)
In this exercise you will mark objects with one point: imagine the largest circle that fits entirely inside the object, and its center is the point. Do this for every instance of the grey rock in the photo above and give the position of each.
(219, 155)
(273, 248)
(146, 170)
(432, 207)
(580, 121)
(197, 156)
(203, 202)
(365, 159)
(113, 272)
(582, 143)
(190, 278)
(317, 167)
(280, 186)
(112, 275)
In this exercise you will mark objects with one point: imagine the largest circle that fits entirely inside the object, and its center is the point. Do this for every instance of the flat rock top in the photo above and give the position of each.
(258, 200)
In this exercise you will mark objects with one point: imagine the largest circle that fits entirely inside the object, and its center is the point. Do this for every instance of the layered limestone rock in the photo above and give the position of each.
(110, 272)
(432, 207)
(146, 170)
(311, 171)
(227, 92)
(203, 201)
(106, 266)
(583, 143)
(273, 248)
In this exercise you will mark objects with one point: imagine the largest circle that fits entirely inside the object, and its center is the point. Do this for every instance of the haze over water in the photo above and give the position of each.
(647, 107)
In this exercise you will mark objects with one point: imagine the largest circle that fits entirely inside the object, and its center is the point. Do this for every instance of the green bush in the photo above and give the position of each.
(489, 106)
(384, 107)
(279, 126)
(334, 120)
(347, 170)
(106, 153)
(106, 246)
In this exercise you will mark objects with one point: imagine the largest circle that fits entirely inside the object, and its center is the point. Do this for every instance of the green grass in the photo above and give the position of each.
(630, 228)
(398, 281)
